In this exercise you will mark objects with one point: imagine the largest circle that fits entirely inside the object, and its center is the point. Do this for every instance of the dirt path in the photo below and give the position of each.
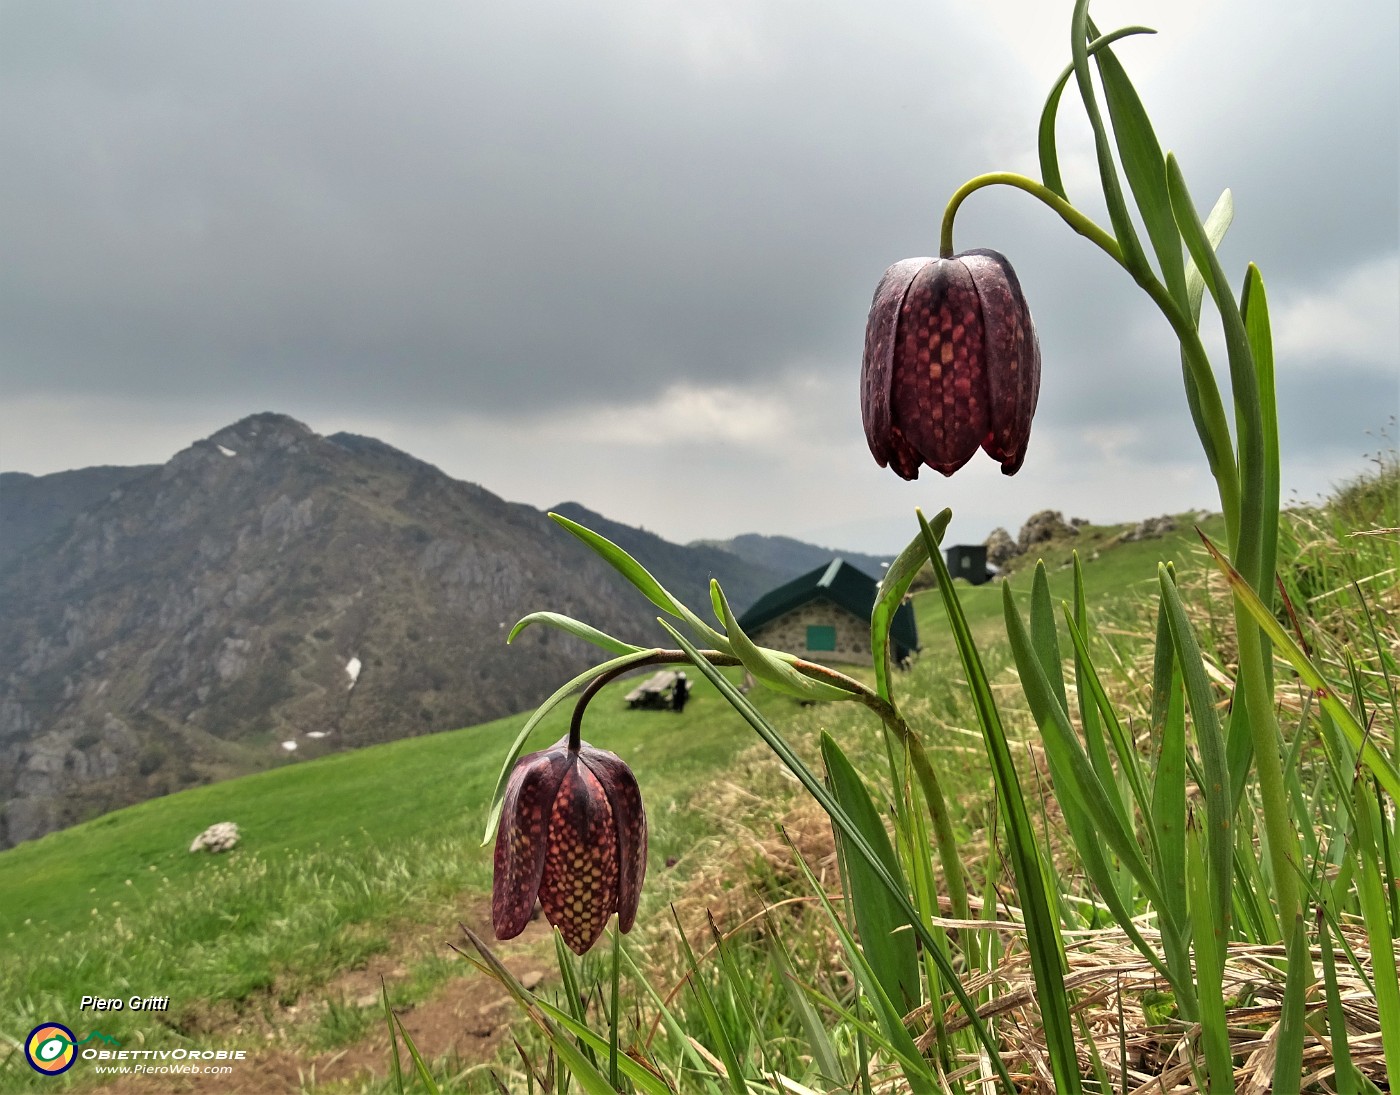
(465, 1018)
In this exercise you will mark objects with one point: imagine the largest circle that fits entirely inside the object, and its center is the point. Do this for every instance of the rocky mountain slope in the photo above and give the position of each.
(270, 594)
(35, 507)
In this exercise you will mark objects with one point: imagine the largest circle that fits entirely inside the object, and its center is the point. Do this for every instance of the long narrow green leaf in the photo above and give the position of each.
(517, 747)
(1046, 946)
(1376, 761)
(740, 993)
(1080, 784)
(765, 664)
(718, 1035)
(1210, 743)
(819, 1043)
(391, 1019)
(589, 1078)
(1209, 937)
(1254, 307)
(896, 1036)
(419, 1065)
(641, 1076)
(573, 627)
(1144, 166)
(889, 948)
(1218, 221)
(794, 764)
(573, 991)
(1045, 639)
(1346, 1080)
(642, 579)
(1133, 257)
(1091, 686)
(1168, 811)
(1089, 722)
(1288, 1064)
(899, 576)
(1375, 912)
(1049, 157)
(1244, 381)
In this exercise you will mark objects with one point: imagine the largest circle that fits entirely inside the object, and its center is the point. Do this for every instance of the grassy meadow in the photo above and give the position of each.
(343, 856)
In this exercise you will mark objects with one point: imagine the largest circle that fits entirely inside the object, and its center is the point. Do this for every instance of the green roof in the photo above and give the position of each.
(841, 584)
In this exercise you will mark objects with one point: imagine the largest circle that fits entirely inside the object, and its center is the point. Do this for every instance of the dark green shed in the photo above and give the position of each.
(824, 616)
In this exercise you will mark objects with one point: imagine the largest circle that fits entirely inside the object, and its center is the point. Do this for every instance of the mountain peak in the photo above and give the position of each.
(266, 430)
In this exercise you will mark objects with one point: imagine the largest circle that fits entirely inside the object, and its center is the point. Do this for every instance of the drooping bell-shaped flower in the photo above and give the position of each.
(573, 834)
(951, 362)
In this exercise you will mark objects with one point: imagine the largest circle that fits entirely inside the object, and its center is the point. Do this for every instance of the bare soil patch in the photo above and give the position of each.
(466, 1018)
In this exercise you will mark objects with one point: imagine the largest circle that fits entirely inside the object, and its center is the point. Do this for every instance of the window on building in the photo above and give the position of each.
(821, 637)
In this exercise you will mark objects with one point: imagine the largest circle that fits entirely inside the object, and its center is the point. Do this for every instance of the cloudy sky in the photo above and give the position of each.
(622, 252)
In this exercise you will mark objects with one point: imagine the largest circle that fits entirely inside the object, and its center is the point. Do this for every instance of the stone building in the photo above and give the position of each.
(824, 616)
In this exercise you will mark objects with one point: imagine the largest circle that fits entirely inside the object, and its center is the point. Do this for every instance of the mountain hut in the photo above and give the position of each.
(824, 616)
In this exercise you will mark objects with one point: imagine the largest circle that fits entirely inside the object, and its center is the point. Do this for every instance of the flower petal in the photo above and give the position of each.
(877, 369)
(1013, 357)
(578, 889)
(630, 820)
(521, 841)
(939, 389)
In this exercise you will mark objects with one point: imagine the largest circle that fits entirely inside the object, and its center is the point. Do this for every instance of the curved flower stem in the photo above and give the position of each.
(1211, 424)
(1068, 213)
(888, 713)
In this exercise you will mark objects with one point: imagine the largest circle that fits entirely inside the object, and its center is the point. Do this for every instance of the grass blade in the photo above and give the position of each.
(1049, 156)
(1375, 910)
(1046, 948)
(1346, 1079)
(584, 631)
(888, 948)
(718, 1035)
(794, 764)
(1381, 766)
(896, 1037)
(824, 1054)
(1210, 742)
(899, 575)
(1144, 166)
(1209, 937)
(1288, 1064)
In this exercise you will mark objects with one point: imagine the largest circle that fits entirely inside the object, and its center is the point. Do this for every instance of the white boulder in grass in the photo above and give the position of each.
(217, 838)
(290, 746)
(352, 670)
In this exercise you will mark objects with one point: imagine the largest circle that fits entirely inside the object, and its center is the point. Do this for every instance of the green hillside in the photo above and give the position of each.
(338, 854)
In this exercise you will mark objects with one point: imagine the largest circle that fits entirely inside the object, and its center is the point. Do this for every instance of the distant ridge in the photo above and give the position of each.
(34, 507)
(789, 558)
(685, 570)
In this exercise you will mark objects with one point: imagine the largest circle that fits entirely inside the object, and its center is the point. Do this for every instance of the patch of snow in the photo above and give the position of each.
(315, 733)
(227, 452)
(290, 746)
(352, 669)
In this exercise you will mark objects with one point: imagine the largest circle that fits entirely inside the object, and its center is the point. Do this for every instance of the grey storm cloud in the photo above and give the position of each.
(403, 215)
(426, 205)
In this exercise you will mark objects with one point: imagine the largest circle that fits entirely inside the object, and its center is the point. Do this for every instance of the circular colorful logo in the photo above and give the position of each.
(49, 1049)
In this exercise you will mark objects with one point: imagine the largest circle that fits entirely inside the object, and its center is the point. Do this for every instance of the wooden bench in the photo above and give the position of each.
(655, 691)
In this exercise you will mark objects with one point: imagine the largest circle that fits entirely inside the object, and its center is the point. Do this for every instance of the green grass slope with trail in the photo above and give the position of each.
(339, 853)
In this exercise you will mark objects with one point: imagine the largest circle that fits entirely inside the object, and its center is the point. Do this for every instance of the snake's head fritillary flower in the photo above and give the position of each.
(951, 362)
(573, 835)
